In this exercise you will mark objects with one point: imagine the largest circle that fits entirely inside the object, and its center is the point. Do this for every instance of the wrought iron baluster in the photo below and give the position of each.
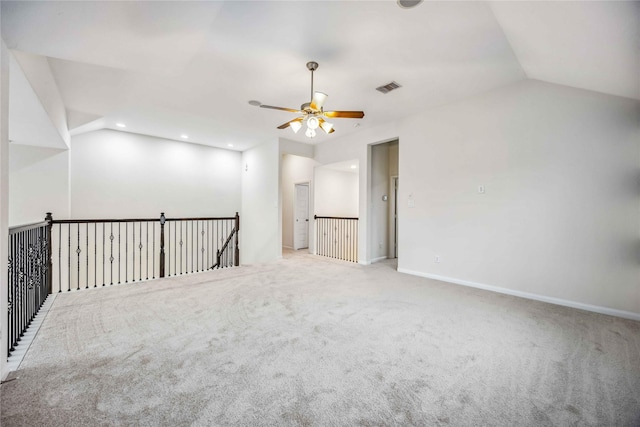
(19, 285)
(95, 254)
(78, 251)
(153, 255)
(103, 260)
(69, 257)
(59, 257)
(197, 239)
(201, 246)
(181, 247)
(147, 250)
(133, 252)
(119, 250)
(86, 255)
(162, 261)
(111, 237)
(126, 252)
(140, 246)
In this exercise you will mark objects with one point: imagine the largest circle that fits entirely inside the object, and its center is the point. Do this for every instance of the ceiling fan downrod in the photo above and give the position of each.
(312, 66)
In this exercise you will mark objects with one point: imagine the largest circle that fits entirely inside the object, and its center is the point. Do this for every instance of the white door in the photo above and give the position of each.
(301, 217)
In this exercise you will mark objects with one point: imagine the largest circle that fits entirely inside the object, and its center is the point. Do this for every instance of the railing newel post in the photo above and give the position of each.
(237, 249)
(49, 219)
(162, 221)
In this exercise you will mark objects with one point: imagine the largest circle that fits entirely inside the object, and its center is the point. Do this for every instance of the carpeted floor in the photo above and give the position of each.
(312, 341)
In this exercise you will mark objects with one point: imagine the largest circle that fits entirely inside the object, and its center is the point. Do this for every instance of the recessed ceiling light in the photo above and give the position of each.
(229, 145)
(353, 166)
(408, 4)
(183, 136)
(255, 103)
(121, 125)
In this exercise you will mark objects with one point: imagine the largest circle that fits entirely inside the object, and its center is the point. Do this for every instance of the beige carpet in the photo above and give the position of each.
(311, 341)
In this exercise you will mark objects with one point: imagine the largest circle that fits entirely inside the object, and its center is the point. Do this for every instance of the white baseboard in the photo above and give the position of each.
(17, 356)
(527, 295)
(380, 258)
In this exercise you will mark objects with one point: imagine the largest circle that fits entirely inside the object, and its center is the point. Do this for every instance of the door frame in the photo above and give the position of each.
(393, 217)
(295, 204)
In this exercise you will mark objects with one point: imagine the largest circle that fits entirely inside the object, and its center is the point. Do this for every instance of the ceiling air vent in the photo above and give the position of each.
(388, 87)
(408, 4)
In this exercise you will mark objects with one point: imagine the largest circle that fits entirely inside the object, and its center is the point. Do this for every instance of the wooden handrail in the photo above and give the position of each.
(26, 227)
(334, 217)
(234, 232)
(92, 221)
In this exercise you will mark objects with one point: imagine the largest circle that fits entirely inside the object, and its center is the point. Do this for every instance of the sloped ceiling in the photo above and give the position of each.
(588, 45)
(173, 68)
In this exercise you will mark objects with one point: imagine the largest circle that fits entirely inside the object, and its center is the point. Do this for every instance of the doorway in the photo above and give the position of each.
(383, 219)
(393, 218)
(301, 216)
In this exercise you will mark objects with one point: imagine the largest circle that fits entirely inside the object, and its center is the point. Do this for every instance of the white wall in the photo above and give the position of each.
(4, 201)
(560, 214)
(39, 183)
(119, 174)
(559, 219)
(295, 170)
(260, 237)
(336, 193)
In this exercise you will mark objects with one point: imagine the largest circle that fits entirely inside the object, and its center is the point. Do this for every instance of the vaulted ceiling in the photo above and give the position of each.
(174, 68)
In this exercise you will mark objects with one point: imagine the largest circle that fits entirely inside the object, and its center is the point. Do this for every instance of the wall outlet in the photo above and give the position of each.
(436, 259)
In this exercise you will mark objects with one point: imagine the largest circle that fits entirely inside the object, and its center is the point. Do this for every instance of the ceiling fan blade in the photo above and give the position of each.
(345, 114)
(286, 125)
(291, 110)
(318, 100)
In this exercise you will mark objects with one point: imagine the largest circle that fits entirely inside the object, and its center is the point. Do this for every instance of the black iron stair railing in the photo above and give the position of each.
(73, 254)
(100, 252)
(29, 281)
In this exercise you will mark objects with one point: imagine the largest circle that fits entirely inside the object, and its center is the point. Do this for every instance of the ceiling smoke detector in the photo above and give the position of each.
(408, 4)
(388, 87)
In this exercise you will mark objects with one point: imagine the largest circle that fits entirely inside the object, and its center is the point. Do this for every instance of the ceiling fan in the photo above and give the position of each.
(312, 112)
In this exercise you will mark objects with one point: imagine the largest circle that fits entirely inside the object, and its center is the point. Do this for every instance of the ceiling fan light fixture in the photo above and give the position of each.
(318, 100)
(312, 114)
(313, 123)
(295, 126)
(326, 126)
(310, 133)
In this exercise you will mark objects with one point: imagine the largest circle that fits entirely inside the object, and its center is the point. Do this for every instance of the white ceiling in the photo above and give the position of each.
(172, 68)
